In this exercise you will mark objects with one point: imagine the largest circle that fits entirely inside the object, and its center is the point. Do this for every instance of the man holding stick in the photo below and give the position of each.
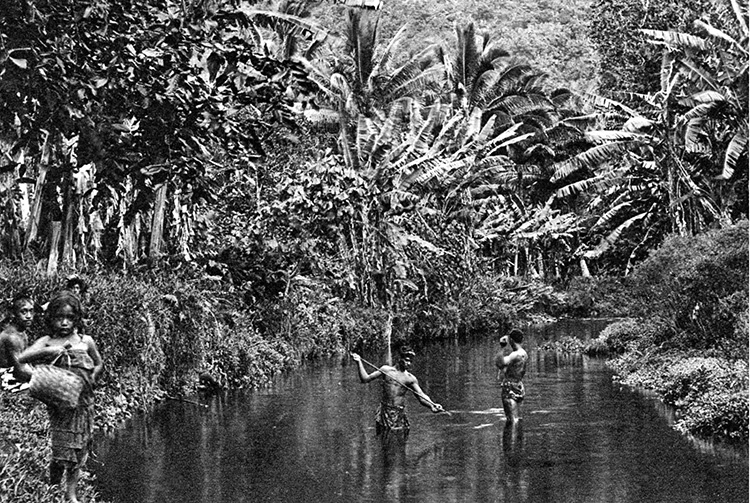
(391, 414)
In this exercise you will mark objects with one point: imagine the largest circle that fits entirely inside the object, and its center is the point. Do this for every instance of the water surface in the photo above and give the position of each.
(310, 437)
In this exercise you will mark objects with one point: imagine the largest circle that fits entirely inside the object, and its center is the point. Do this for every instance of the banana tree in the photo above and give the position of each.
(148, 100)
(678, 163)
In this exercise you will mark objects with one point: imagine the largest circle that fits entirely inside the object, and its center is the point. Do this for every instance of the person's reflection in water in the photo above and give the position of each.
(393, 445)
(513, 442)
(516, 474)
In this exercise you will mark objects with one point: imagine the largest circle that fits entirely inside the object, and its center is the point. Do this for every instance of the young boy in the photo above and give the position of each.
(13, 340)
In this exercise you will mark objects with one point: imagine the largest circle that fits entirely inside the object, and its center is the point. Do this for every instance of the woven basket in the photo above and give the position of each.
(55, 386)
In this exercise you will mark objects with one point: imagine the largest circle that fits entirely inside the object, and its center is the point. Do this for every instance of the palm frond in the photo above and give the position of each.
(608, 216)
(591, 158)
(737, 146)
(390, 50)
(482, 88)
(698, 111)
(717, 33)
(466, 54)
(702, 97)
(593, 184)
(274, 20)
(607, 103)
(381, 142)
(411, 81)
(612, 237)
(364, 139)
(695, 137)
(697, 74)
(666, 72)
(637, 125)
(604, 136)
(675, 39)
(740, 12)
(563, 132)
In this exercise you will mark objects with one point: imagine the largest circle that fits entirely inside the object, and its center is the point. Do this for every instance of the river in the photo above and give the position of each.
(310, 437)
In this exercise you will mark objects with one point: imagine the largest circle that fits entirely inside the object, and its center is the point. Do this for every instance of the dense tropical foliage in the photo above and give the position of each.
(286, 166)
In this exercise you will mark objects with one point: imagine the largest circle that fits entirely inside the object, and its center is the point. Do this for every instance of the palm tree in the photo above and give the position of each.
(676, 157)
(482, 75)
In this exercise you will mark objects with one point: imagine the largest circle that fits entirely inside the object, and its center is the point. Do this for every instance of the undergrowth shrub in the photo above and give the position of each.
(626, 335)
(566, 344)
(598, 296)
(710, 393)
(699, 285)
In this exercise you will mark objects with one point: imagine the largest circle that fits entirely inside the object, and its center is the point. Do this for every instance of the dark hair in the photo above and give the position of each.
(18, 300)
(516, 335)
(14, 305)
(406, 350)
(61, 299)
(76, 280)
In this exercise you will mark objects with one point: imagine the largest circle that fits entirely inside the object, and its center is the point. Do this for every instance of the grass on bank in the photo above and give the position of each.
(158, 332)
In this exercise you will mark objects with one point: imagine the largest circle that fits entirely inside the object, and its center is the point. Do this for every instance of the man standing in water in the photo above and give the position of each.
(514, 367)
(391, 414)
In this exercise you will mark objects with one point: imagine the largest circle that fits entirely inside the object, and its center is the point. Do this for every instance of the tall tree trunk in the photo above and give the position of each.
(388, 331)
(68, 228)
(55, 231)
(36, 207)
(157, 223)
(585, 268)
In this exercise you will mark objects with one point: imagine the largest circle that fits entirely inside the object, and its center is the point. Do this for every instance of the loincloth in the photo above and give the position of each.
(391, 417)
(513, 390)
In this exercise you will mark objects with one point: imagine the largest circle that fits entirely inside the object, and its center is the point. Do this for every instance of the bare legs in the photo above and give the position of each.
(72, 483)
(512, 410)
(56, 471)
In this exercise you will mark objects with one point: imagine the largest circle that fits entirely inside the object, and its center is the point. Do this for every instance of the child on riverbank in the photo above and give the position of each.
(14, 338)
(70, 429)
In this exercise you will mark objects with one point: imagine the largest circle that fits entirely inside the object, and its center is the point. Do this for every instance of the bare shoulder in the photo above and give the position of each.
(386, 369)
(8, 333)
(410, 378)
(88, 340)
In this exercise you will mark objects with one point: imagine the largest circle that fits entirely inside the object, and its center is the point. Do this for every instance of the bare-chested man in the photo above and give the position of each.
(391, 414)
(13, 340)
(513, 368)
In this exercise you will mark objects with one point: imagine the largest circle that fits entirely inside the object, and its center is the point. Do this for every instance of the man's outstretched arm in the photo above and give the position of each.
(363, 375)
(423, 398)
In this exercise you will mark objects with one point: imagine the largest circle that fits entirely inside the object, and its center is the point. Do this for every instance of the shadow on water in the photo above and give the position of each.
(311, 437)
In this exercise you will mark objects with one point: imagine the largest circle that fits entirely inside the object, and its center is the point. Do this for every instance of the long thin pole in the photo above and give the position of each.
(421, 395)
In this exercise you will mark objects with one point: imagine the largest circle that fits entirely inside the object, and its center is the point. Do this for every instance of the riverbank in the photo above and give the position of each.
(159, 333)
(687, 339)
(709, 392)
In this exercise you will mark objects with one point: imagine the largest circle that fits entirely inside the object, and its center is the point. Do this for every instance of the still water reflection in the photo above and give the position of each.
(310, 437)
